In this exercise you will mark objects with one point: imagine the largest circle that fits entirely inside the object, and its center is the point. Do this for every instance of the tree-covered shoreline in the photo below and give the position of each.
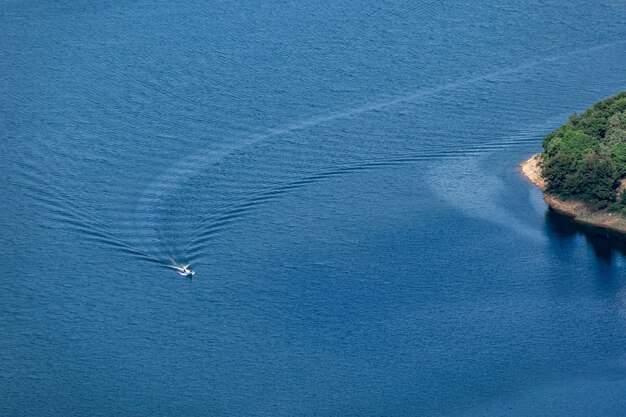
(585, 159)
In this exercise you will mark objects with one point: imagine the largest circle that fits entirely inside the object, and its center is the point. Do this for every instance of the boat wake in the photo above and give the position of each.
(143, 233)
(185, 170)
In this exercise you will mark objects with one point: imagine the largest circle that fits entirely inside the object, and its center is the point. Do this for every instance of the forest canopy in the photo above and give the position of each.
(585, 159)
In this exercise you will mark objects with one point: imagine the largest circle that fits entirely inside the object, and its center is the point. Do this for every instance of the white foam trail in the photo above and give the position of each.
(181, 171)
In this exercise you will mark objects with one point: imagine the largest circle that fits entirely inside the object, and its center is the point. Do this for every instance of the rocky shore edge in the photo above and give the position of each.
(612, 223)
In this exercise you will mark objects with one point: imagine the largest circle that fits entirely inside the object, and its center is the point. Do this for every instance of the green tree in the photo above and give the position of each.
(618, 155)
(586, 157)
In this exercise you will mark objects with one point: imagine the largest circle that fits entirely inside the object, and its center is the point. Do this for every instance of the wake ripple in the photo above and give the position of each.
(219, 222)
(149, 233)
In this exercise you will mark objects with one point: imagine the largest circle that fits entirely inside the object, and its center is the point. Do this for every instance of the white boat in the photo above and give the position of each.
(184, 270)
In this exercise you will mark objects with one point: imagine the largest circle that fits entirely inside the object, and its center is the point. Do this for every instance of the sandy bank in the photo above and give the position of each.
(532, 171)
(577, 210)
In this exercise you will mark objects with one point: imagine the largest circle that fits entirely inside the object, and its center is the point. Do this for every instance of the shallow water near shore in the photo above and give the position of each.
(344, 180)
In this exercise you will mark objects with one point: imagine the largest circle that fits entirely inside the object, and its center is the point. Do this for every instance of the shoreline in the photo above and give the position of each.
(610, 223)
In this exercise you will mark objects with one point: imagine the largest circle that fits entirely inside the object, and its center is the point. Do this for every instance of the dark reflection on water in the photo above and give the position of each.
(606, 245)
(603, 242)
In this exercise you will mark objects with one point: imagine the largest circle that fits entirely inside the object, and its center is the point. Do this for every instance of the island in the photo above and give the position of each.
(582, 169)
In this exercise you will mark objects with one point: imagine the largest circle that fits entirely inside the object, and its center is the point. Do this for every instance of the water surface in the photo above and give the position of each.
(342, 176)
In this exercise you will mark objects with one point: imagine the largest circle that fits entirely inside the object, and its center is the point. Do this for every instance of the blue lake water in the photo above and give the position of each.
(343, 178)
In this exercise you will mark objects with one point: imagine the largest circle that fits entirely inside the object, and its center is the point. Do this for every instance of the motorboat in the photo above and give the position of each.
(184, 270)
